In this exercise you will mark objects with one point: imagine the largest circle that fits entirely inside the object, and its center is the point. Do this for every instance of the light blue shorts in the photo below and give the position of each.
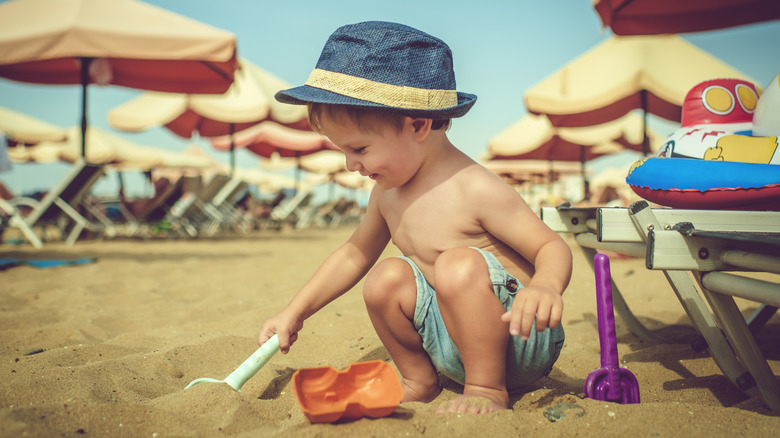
(526, 361)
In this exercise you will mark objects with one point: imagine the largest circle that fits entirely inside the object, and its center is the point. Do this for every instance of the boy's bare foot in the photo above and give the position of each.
(476, 400)
(416, 392)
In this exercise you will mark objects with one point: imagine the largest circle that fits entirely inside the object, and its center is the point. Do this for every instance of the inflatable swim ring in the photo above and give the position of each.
(717, 159)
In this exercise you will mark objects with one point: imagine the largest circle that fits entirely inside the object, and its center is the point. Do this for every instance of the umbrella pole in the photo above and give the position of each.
(85, 62)
(645, 141)
(585, 188)
(232, 150)
(551, 176)
(121, 183)
(297, 171)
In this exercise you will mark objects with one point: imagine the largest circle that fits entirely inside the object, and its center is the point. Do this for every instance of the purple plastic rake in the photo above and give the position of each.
(610, 382)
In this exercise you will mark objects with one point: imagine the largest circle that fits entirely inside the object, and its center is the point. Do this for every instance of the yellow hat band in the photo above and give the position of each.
(397, 96)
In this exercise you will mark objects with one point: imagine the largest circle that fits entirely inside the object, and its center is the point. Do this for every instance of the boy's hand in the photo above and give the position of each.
(285, 327)
(541, 301)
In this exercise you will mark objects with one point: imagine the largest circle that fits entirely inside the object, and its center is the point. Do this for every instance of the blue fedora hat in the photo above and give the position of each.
(385, 66)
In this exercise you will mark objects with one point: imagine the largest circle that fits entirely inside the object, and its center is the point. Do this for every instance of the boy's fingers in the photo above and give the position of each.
(555, 316)
(513, 318)
(526, 322)
(541, 321)
(284, 342)
(514, 325)
(264, 336)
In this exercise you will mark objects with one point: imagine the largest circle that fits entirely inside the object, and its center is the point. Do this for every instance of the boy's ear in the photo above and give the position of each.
(421, 127)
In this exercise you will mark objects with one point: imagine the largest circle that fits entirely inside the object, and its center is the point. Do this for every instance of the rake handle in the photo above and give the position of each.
(253, 363)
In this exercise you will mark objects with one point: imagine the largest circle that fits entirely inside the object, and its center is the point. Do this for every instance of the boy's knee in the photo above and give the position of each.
(459, 267)
(385, 279)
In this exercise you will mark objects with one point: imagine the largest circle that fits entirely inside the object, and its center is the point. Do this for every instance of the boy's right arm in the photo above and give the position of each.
(340, 271)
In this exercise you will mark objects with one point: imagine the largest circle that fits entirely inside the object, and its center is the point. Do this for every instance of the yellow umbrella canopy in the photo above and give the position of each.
(277, 162)
(354, 180)
(21, 128)
(268, 181)
(120, 42)
(248, 101)
(652, 73)
(103, 148)
(328, 162)
(535, 138)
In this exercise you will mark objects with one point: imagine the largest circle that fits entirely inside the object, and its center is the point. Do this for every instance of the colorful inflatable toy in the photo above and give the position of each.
(724, 156)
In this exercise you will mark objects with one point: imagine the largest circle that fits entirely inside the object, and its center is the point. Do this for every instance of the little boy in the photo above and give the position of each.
(477, 295)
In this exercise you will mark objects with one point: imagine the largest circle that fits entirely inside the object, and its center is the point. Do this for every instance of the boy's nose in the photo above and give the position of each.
(353, 165)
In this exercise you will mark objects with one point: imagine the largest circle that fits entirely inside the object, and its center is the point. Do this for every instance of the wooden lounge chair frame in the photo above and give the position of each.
(222, 208)
(13, 218)
(59, 204)
(290, 211)
(691, 248)
(201, 213)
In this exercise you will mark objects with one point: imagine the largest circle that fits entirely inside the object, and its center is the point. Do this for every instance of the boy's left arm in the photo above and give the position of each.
(510, 220)
(542, 296)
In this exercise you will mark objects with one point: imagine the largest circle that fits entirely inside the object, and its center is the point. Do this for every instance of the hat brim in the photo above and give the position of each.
(304, 94)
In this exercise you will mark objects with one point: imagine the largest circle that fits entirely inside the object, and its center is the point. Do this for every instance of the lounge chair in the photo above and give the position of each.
(705, 243)
(291, 211)
(200, 212)
(147, 214)
(224, 207)
(332, 213)
(59, 205)
(11, 217)
(262, 209)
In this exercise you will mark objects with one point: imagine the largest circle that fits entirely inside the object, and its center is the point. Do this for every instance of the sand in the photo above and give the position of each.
(106, 349)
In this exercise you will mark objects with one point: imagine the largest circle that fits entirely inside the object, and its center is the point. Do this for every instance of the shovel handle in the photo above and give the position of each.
(253, 363)
(605, 312)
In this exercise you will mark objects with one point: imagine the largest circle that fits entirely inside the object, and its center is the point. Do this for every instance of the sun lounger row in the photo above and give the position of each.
(68, 212)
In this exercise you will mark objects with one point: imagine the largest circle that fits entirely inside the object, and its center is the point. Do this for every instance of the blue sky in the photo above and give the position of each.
(501, 48)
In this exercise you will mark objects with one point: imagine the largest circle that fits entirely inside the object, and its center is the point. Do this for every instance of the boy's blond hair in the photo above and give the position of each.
(366, 120)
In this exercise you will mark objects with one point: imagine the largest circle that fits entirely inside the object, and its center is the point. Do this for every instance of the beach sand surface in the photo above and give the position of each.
(106, 349)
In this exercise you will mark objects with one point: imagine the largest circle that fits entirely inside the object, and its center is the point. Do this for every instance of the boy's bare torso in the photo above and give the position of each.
(437, 214)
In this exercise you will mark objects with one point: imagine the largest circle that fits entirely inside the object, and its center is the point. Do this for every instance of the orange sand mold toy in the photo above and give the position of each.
(326, 395)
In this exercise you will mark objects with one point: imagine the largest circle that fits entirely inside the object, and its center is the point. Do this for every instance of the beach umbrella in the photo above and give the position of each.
(621, 74)
(323, 167)
(354, 180)
(327, 162)
(276, 162)
(120, 42)
(21, 128)
(103, 148)
(535, 138)
(248, 101)
(269, 139)
(526, 170)
(520, 172)
(530, 167)
(653, 17)
(268, 182)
